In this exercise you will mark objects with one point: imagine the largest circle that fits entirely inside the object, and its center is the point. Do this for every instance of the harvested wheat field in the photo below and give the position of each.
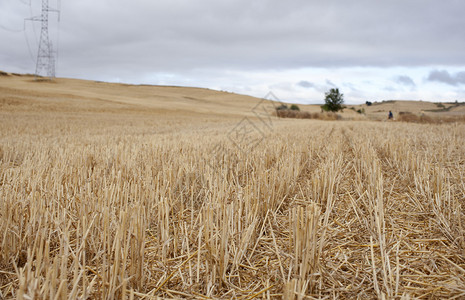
(141, 198)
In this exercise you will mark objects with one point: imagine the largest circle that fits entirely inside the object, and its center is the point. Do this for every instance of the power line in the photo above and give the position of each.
(28, 45)
(11, 30)
(14, 30)
(24, 31)
(33, 26)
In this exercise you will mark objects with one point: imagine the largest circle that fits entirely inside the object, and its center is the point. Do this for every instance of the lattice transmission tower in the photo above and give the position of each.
(45, 64)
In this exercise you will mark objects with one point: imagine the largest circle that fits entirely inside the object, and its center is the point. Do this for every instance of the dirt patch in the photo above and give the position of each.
(422, 118)
(288, 113)
(12, 101)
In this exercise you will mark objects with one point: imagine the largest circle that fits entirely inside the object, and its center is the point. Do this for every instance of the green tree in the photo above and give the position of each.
(333, 100)
(295, 107)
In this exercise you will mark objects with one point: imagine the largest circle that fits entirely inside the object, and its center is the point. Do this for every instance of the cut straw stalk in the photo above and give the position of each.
(99, 212)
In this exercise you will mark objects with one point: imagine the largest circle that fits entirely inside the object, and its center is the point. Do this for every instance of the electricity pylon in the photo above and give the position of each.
(45, 64)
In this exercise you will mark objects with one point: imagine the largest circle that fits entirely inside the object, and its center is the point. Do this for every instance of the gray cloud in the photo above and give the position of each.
(306, 84)
(405, 80)
(389, 89)
(330, 83)
(321, 88)
(445, 77)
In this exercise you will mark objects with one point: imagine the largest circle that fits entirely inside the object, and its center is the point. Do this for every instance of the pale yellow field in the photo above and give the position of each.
(111, 191)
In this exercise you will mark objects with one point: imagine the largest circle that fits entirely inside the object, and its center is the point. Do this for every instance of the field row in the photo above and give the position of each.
(323, 209)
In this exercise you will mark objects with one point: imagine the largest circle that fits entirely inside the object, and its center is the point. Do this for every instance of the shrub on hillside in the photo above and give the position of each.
(282, 107)
(295, 107)
(410, 117)
(295, 114)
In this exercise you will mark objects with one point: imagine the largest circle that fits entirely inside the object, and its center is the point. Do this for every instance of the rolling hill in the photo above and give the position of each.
(22, 93)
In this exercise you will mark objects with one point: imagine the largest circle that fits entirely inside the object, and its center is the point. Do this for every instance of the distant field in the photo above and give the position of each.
(114, 191)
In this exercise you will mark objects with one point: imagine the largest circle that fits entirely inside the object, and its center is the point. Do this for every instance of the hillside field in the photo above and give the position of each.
(111, 191)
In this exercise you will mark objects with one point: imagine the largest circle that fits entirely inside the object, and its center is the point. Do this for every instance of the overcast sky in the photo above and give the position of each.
(370, 49)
